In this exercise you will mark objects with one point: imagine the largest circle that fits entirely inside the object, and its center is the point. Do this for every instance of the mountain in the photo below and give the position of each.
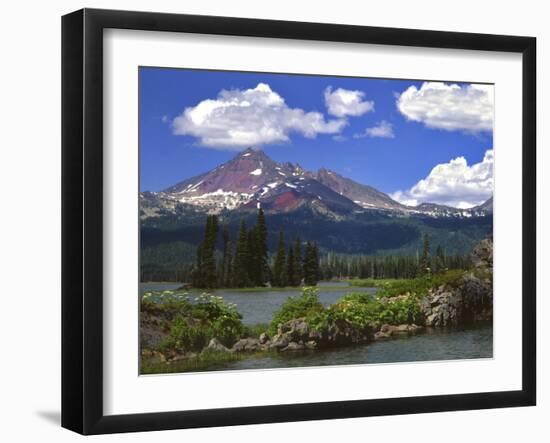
(247, 181)
(365, 196)
(252, 179)
(485, 208)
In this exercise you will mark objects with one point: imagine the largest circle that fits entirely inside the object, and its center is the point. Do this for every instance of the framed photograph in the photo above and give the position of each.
(269, 221)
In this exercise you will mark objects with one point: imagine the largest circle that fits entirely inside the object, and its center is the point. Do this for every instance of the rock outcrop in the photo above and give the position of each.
(249, 345)
(470, 300)
(297, 335)
(482, 254)
(442, 307)
(216, 346)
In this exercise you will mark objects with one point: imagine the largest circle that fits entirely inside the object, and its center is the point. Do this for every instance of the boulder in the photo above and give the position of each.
(216, 345)
(312, 344)
(264, 338)
(293, 346)
(401, 329)
(247, 345)
(413, 329)
(280, 341)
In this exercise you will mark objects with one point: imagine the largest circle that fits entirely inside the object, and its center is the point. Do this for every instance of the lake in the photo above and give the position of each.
(433, 344)
(259, 306)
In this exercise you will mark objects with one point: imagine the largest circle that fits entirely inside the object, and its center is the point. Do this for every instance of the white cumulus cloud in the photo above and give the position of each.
(454, 184)
(382, 129)
(251, 117)
(346, 102)
(450, 107)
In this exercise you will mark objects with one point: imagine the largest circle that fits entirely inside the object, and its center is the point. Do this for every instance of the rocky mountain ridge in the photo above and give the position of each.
(252, 179)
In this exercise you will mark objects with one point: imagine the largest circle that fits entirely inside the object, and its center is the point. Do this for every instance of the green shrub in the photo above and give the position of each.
(402, 311)
(227, 329)
(188, 338)
(193, 324)
(304, 305)
(418, 286)
(255, 331)
(360, 311)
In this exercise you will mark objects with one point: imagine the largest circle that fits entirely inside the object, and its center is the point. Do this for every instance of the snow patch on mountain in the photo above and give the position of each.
(218, 199)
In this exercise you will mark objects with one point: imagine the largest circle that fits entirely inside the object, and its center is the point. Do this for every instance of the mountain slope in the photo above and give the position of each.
(365, 196)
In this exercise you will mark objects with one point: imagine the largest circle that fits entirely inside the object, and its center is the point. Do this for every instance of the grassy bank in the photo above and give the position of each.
(418, 286)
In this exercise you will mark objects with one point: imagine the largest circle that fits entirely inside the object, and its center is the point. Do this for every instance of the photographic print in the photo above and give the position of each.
(291, 220)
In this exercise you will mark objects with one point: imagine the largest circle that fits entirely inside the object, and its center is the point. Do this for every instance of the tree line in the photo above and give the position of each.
(337, 266)
(242, 259)
(245, 260)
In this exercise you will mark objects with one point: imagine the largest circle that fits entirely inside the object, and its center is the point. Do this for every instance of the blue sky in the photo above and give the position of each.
(389, 134)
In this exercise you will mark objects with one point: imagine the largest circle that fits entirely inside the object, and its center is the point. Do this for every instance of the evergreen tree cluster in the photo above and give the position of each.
(244, 262)
(336, 266)
(290, 267)
(205, 275)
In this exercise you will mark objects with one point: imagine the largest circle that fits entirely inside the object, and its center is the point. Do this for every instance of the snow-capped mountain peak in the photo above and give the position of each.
(252, 179)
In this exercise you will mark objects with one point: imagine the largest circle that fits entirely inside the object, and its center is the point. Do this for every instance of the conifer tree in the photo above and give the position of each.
(261, 249)
(197, 278)
(204, 274)
(279, 267)
(439, 265)
(209, 245)
(311, 265)
(225, 273)
(253, 266)
(425, 261)
(298, 271)
(291, 267)
(315, 262)
(241, 260)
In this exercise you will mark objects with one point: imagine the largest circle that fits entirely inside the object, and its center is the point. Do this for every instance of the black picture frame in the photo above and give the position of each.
(82, 218)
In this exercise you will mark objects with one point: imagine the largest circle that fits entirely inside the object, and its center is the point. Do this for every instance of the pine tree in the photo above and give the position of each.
(241, 260)
(209, 245)
(290, 267)
(298, 269)
(225, 271)
(439, 265)
(253, 267)
(425, 261)
(315, 262)
(279, 268)
(197, 278)
(311, 265)
(261, 249)
(204, 274)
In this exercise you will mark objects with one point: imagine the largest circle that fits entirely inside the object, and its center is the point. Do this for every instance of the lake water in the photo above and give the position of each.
(259, 307)
(434, 344)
